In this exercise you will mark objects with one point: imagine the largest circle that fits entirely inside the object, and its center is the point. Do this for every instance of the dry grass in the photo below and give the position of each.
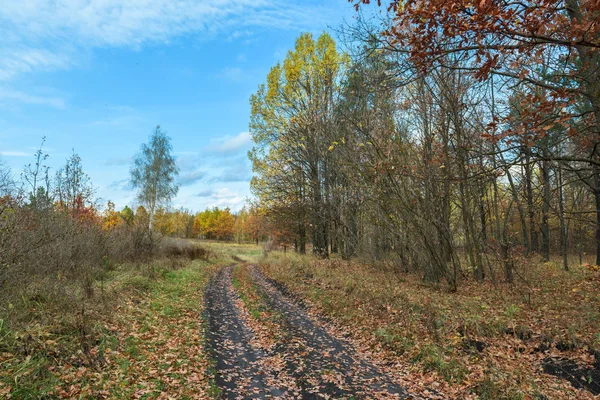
(170, 247)
(484, 341)
(59, 347)
(223, 251)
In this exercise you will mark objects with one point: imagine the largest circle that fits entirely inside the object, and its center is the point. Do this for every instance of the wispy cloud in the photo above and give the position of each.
(227, 198)
(222, 197)
(14, 61)
(232, 144)
(122, 184)
(15, 154)
(204, 193)
(63, 28)
(190, 178)
(236, 171)
(15, 95)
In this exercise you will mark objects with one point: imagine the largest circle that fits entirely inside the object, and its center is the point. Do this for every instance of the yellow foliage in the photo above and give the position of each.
(112, 219)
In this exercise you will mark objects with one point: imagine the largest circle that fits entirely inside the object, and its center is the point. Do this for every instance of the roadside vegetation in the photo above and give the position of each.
(139, 335)
(484, 341)
(91, 300)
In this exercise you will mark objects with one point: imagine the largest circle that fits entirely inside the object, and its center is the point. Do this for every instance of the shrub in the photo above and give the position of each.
(182, 248)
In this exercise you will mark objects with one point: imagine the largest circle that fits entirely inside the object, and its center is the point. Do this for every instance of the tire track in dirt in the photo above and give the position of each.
(319, 362)
(240, 373)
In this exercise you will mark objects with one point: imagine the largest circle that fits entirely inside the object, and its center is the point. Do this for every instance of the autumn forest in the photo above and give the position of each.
(424, 223)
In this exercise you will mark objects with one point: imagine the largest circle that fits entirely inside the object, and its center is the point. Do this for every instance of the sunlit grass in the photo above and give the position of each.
(226, 251)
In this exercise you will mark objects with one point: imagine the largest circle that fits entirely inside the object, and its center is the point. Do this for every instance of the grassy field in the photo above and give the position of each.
(234, 252)
(140, 336)
(485, 341)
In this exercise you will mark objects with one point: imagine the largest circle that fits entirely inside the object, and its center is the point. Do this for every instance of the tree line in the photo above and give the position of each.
(245, 225)
(56, 241)
(53, 226)
(448, 136)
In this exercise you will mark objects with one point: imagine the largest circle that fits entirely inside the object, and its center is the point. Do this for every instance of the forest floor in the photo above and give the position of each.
(242, 325)
(538, 338)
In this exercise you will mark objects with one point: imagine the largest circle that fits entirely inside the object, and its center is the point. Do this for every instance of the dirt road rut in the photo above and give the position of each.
(317, 364)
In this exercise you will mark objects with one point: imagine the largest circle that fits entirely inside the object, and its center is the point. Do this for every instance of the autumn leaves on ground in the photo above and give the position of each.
(237, 324)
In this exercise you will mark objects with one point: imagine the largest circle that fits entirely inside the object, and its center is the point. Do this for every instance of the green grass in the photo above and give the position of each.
(225, 251)
(248, 293)
(173, 313)
(155, 309)
(256, 302)
(435, 358)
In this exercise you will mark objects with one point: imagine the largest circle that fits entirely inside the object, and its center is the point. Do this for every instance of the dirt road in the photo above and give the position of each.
(310, 362)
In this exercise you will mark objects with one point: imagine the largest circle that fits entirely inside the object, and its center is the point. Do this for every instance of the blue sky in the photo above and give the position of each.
(96, 76)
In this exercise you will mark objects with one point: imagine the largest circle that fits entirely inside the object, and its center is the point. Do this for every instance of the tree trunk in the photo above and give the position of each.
(302, 240)
(482, 217)
(590, 72)
(517, 201)
(561, 216)
(596, 170)
(545, 228)
(533, 242)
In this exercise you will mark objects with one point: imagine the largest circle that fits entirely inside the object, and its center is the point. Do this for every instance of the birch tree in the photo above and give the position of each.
(153, 173)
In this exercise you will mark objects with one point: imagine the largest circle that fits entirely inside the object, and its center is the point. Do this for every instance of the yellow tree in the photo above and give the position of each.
(291, 126)
(205, 223)
(112, 219)
(239, 228)
(163, 222)
(224, 225)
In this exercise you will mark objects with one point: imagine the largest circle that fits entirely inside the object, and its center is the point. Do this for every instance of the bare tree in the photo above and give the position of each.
(73, 186)
(6, 180)
(37, 177)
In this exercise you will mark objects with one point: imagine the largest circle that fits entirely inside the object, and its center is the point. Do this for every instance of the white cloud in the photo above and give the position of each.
(230, 144)
(16, 61)
(15, 154)
(225, 197)
(210, 197)
(224, 193)
(64, 27)
(21, 97)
